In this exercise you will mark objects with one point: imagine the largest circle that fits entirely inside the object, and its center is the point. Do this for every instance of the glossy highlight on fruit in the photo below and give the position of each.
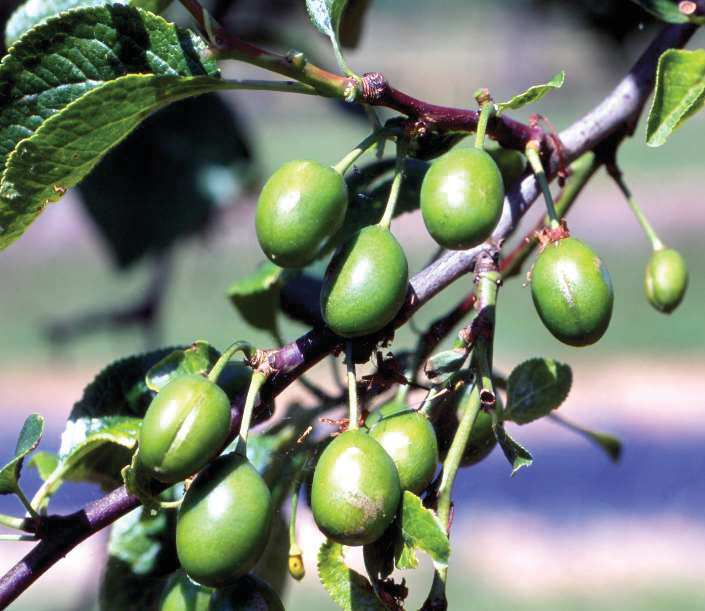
(572, 292)
(666, 280)
(224, 522)
(249, 593)
(365, 284)
(182, 594)
(410, 441)
(185, 426)
(461, 198)
(301, 205)
(355, 491)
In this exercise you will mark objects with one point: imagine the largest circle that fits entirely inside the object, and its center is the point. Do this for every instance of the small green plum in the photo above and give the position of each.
(182, 594)
(185, 426)
(355, 492)
(461, 198)
(365, 284)
(224, 521)
(301, 205)
(572, 292)
(666, 280)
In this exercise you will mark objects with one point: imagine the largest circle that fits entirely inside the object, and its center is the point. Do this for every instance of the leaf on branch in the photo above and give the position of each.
(348, 589)
(116, 53)
(256, 296)
(141, 554)
(28, 440)
(665, 10)
(326, 15)
(420, 529)
(44, 462)
(517, 455)
(532, 94)
(35, 12)
(102, 429)
(441, 366)
(197, 359)
(679, 93)
(535, 388)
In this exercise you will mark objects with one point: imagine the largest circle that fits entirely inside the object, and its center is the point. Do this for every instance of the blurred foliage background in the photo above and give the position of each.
(143, 253)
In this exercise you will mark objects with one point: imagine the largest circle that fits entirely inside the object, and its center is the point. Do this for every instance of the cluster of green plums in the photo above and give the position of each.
(304, 204)
(225, 517)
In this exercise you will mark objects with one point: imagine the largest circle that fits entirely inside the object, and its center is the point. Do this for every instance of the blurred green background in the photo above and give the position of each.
(576, 533)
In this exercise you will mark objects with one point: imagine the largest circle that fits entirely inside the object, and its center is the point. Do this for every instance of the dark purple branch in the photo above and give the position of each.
(619, 110)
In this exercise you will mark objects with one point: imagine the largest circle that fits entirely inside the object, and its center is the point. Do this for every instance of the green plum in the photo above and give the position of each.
(666, 280)
(182, 594)
(365, 284)
(410, 441)
(511, 163)
(461, 198)
(572, 292)
(301, 205)
(224, 521)
(355, 491)
(185, 426)
(249, 593)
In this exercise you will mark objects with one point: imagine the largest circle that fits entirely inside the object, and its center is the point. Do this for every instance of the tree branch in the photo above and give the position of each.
(621, 108)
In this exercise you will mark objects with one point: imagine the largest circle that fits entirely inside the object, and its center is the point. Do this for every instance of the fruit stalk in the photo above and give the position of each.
(486, 110)
(651, 235)
(344, 164)
(240, 346)
(532, 154)
(258, 379)
(354, 408)
(386, 219)
(488, 281)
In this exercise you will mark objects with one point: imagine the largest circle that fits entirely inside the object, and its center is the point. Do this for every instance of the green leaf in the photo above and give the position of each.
(535, 388)
(665, 10)
(69, 144)
(679, 93)
(326, 15)
(420, 529)
(35, 12)
(44, 462)
(442, 365)
(532, 94)
(348, 589)
(102, 429)
(197, 359)
(256, 296)
(60, 61)
(28, 440)
(141, 555)
(517, 455)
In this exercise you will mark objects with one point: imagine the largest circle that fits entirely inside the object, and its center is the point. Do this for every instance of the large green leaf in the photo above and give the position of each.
(101, 431)
(63, 59)
(420, 529)
(28, 440)
(348, 589)
(141, 555)
(532, 94)
(679, 93)
(69, 144)
(665, 10)
(326, 15)
(535, 388)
